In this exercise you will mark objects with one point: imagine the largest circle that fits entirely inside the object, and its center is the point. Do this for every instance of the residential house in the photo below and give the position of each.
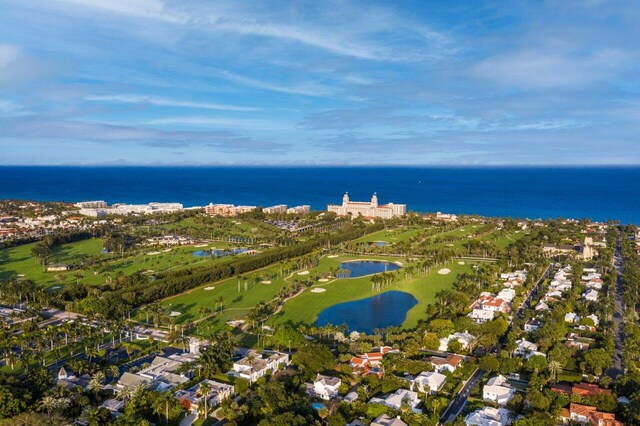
(587, 414)
(450, 363)
(575, 341)
(324, 387)
(192, 399)
(532, 325)
(590, 295)
(255, 365)
(384, 420)
(527, 349)
(465, 339)
(399, 397)
(488, 416)
(429, 382)
(498, 390)
(481, 316)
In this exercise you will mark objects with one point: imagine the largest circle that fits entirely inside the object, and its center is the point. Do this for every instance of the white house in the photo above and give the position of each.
(532, 325)
(450, 363)
(571, 317)
(481, 316)
(541, 307)
(254, 366)
(384, 420)
(465, 340)
(429, 382)
(325, 387)
(527, 349)
(498, 390)
(590, 295)
(399, 397)
(488, 416)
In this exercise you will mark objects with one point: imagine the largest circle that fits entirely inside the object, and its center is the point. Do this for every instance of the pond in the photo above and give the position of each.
(360, 268)
(381, 243)
(365, 315)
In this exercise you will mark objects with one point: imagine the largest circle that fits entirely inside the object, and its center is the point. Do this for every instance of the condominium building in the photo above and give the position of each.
(280, 208)
(367, 209)
(227, 209)
(91, 204)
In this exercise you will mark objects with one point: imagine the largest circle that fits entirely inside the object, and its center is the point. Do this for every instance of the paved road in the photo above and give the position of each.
(618, 314)
(460, 400)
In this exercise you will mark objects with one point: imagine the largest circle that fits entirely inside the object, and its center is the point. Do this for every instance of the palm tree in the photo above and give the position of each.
(97, 383)
(48, 403)
(162, 404)
(554, 368)
(205, 390)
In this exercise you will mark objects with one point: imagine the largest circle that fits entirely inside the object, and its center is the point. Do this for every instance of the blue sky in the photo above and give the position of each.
(330, 82)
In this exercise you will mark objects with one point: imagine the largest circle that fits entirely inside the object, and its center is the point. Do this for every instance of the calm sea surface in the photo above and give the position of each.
(598, 193)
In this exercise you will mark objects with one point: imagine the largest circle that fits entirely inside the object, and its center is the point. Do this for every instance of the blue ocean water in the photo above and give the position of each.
(599, 193)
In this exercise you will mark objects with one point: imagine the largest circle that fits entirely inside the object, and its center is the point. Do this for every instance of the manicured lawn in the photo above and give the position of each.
(306, 307)
(16, 261)
(391, 235)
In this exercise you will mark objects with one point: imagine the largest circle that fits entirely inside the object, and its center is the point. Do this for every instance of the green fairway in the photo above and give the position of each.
(19, 262)
(306, 307)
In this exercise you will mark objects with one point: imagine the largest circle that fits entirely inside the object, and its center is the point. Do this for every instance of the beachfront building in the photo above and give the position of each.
(367, 209)
(280, 208)
(303, 209)
(227, 209)
(91, 204)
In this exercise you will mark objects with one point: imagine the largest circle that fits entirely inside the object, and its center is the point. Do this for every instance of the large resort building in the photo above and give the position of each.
(367, 209)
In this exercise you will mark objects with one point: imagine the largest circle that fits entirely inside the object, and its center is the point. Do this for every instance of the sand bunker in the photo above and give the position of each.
(166, 250)
(324, 280)
(266, 282)
(202, 245)
(461, 263)
(153, 253)
(399, 263)
(209, 288)
(318, 290)
(333, 256)
(444, 271)
(175, 314)
(303, 273)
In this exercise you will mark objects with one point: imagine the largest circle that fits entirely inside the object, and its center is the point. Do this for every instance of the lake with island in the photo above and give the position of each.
(365, 315)
(361, 268)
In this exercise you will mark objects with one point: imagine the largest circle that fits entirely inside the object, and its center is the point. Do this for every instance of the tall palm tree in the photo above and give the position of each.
(97, 383)
(162, 404)
(48, 403)
(205, 390)
(554, 368)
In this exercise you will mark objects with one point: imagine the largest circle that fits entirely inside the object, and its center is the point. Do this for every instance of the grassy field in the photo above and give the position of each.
(19, 262)
(306, 307)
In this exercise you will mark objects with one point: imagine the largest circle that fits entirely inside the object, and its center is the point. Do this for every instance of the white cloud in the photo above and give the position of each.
(151, 9)
(544, 68)
(154, 100)
(8, 53)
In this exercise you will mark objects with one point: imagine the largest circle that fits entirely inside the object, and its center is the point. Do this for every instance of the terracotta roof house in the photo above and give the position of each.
(589, 389)
(589, 415)
(449, 363)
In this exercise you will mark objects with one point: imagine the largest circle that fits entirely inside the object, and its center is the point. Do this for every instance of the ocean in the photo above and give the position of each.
(598, 193)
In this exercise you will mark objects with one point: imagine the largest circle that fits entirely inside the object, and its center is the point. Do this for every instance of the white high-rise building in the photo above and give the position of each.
(367, 209)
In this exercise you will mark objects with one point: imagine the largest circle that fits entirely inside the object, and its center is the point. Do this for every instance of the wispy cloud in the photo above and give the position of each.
(158, 101)
(42, 128)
